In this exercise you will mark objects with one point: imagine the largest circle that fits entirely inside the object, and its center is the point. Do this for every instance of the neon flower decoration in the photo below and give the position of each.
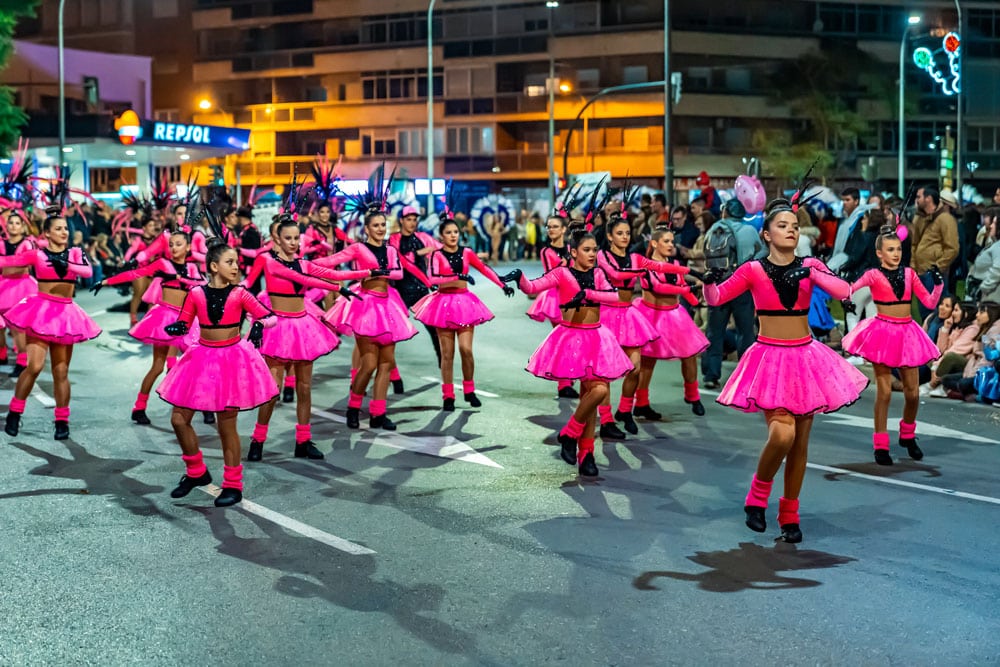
(950, 80)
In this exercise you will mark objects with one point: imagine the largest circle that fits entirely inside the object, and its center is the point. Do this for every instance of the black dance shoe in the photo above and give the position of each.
(209, 417)
(627, 421)
(397, 386)
(646, 412)
(882, 457)
(610, 431)
(911, 447)
(756, 520)
(228, 497)
(139, 417)
(13, 424)
(307, 450)
(696, 407)
(256, 451)
(473, 400)
(568, 450)
(187, 483)
(17, 370)
(568, 392)
(448, 405)
(791, 533)
(588, 468)
(288, 394)
(381, 422)
(62, 430)
(353, 417)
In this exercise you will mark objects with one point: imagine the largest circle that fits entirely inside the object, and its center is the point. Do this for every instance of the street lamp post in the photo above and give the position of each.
(668, 158)
(913, 20)
(552, 4)
(429, 139)
(959, 133)
(62, 84)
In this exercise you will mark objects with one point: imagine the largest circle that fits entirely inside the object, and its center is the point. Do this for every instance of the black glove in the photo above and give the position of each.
(797, 275)
(576, 301)
(96, 287)
(711, 276)
(935, 274)
(508, 290)
(163, 275)
(178, 328)
(344, 292)
(379, 273)
(512, 277)
(466, 277)
(849, 306)
(697, 275)
(130, 265)
(59, 264)
(256, 336)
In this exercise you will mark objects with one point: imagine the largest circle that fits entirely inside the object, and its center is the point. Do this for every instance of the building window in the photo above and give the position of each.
(164, 9)
(166, 64)
(635, 74)
(398, 85)
(167, 115)
(470, 141)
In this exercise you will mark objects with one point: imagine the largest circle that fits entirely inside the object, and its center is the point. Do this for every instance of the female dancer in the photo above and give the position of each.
(16, 283)
(50, 320)
(893, 340)
(680, 338)
(221, 373)
(171, 280)
(626, 324)
(454, 311)
(787, 374)
(546, 307)
(580, 348)
(150, 232)
(378, 320)
(299, 337)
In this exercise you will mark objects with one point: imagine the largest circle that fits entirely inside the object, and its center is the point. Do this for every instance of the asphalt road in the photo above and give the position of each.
(463, 539)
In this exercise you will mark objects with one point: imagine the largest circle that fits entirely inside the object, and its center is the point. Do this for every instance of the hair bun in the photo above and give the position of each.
(215, 242)
(776, 205)
(887, 230)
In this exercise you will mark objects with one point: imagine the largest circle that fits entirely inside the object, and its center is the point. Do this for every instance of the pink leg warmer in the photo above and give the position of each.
(641, 398)
(232, 477)
(468, 386)
(573, 428)
(289, 381)
(354, 400)
(61, 413)
(141, 401)
(448, 391)
(625, 403)
(604, 411)
(22, 359)
(759, 493)
(788, 511)
(171, 362)
(194, 465)
(691, 393)
(907, 429)
(880, 441)
(354, 374)
(394, 374)
(562, 384)
(17, 405)
(376, 408)
(586, 446)
(260, 432)
(303, 433)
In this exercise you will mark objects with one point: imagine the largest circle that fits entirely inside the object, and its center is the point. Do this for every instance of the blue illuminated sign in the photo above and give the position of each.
(186, 134)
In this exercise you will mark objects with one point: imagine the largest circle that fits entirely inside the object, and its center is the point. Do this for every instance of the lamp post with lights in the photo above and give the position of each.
(551, 85)
(914, 19)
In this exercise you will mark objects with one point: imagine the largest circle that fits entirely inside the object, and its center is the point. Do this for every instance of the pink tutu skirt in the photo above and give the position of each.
(381, 316)
(627, 325)
(801, 376)
(451, 310)
(310, 305)
(212, 379)
(546, 307)
(896, 342)
(54, 319)
(579, 352)
(680, 337)
(150, 329)
(301, 337)
(15, 288)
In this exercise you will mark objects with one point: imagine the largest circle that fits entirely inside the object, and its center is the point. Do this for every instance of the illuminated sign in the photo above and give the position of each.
(950, 80)
(131, 129)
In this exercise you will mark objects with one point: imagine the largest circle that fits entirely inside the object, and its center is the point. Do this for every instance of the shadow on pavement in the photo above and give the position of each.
(899, 467)
(750, 566)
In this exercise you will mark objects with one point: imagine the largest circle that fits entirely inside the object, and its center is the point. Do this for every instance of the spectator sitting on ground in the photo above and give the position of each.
(956, 341)
(959, 385)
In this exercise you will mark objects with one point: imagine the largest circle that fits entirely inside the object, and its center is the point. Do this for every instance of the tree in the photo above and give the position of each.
(12, 117)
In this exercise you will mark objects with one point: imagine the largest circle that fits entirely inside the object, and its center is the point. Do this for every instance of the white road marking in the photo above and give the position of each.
(295, 526)
(98, 313)
(443, 446)
(43, 398)
(923, 428)
(478, 390)
(909, 485)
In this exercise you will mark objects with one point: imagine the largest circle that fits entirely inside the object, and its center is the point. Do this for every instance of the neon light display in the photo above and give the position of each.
(950, 80)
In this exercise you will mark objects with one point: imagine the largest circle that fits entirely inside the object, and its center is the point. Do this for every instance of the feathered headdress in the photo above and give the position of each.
(374, 199)
(192, 193)
(570, 201)
(15, 188)
(294, 199)
(325, 176)
(593, 206)
(807, 182)
(133, 205)
(194, 211)
(449, 200)
(161, 195)
(246, 211)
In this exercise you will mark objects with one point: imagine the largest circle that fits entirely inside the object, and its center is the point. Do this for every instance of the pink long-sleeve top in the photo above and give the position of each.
(317, 244)
(553, 257)
(38, 259)
(667, 284)
(772, 295)
(184, 276)
(223, 308)
(958, 341)
(414, 265)
(292, 278)
(624, 271)
(139, 245)
(445, 267)
(9, 249)
(569, 282)
(897, 287)
(366, 256)
(161, 247)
